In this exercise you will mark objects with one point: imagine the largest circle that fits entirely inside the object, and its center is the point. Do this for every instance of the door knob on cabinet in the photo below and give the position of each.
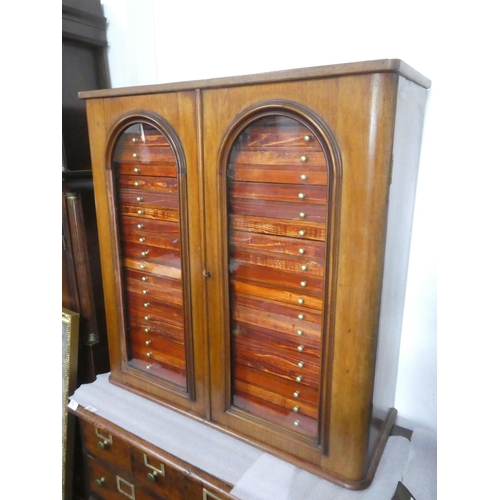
(103, 445)
(151, 476)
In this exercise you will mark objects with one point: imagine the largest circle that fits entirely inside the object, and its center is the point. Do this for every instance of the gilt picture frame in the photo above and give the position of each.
(70, 334)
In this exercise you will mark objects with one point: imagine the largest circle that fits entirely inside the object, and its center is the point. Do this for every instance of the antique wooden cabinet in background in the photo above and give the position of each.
(254, 236)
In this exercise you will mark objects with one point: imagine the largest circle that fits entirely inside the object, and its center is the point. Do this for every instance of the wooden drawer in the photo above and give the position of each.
(100, 443)
(165, 481)
(111, 484)
(164, 169)
(143, 182)
(149, 198)
(144, 155)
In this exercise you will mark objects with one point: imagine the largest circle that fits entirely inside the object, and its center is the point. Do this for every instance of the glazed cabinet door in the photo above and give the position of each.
(276, 198)
(145, 163)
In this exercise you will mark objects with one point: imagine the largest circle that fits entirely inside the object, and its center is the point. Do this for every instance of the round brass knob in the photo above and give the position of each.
(142, 239)
(134, 139)
(140, 226)
(144, 253)
(302, 215)
(296, 408)
(301, 196)
(307, 138)
(137, 183)
(148, 367)
(300, 316)
(300, 301)
(302, 232)
(146, 304)
(300, 348)
(140, 212)
(145, 291)
(296, 394)
(300, 364)
(148, 342)
(297, 423)
(300, 332)
(298, 379)
(137, 170)
(302, 251)
(303, 158)
(144, 278)
(147, 318)
(149, 354)
(303, 268)
(140, 198)
(147, 330)
(143, 266)
(99, 482)
(102, 445)
(151, 476)
(303, 283)
(135, 155)
(303, 177)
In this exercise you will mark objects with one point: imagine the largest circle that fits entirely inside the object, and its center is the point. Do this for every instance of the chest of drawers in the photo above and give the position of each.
(254, 236)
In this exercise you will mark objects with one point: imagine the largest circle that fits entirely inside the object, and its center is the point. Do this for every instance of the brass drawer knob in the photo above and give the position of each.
(303, 283)
(298, 379)
(301, 196)
(303, 177)
(300, 348)
(300, 316)
(135, 139)
(146, 304)
(296, 423)
(144, 253)
(151, 476)
(149, 354)
(302, 215)
(142, 239)
(99, 482)
(140, 212)
(138, 183)
(296, 394)
(145, 291)
(303, 158)
(137, 170)
(302, 232)
(307, 138)
(300, 364)
(103, 445)
(302, 251)
(147, 318)
(147, 330)
(148, 342)
(135, 155)
(143, 266)
(144, 278)
(140, 198)
(300, 301)
(303, 268)
(300, 332)
(296, 408)
(140, 226)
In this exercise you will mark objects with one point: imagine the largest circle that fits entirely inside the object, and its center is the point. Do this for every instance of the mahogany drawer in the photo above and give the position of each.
(267, 135)
(281, 209)
(147, 136)
(161, 234)
(278, 174)
(143, 154)
(292, 157)
(166, 168)
(278, 227)
(138, 325)
(100, 443)
(148, 226)
(110, 484)
(277, 244)
(150, 212)
(168, 315)
(145, 183)
(165, 481)
(149, 198)
(147, 253)
(168, 290)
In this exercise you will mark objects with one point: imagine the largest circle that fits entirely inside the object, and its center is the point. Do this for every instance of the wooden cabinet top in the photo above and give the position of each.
(379, 66)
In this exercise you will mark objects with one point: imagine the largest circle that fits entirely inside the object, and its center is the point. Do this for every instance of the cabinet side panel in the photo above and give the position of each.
(407, 139)
(366, 110)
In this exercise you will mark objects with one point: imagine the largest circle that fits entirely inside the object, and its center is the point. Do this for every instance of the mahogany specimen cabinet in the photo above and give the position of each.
(254, 235)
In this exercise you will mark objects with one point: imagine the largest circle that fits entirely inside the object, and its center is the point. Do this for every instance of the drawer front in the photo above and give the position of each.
(277, 201)
(102, 444)
(165, 481)
(111, 484)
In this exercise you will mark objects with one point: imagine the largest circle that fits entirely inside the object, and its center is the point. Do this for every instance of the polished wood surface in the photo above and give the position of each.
(271, 231)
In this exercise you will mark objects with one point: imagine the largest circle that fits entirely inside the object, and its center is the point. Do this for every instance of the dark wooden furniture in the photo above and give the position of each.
(254, 236)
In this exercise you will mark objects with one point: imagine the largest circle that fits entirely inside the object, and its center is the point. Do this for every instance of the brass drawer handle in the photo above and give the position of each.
(129, 492)
(151, 476)
(106, 440)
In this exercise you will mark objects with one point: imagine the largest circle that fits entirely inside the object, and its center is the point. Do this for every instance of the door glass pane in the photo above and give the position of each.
(150, 244)
(277, 201)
